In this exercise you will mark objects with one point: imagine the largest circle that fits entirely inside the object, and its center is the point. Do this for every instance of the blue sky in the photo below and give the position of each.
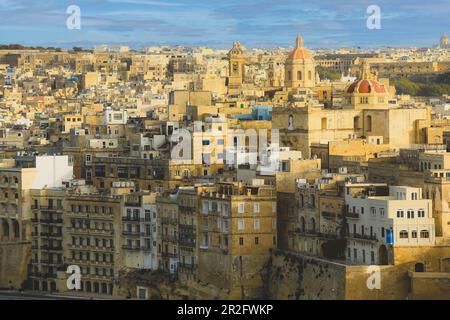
(256, 23)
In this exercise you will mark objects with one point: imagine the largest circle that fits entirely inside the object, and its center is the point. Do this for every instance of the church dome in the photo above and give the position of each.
(367, 83)
(366, 86)
(299, 52)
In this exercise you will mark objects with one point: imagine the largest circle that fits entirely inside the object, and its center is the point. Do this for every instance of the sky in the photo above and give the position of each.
(213, 23)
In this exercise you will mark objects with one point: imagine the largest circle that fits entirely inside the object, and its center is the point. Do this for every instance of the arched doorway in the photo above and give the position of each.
(88, 286)
(104, 288)
(419, 267)
(96, 287)
(383, 255)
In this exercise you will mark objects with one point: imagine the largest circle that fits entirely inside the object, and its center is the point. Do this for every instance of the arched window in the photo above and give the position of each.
(403, 234)
(421, 213)
(324, 124)
(399, 213)
(369, 123)
(309, 75)
(419, 267)
(299, 75)
(424, 234)
(289, 76)
(356, 123)
(414, 234)
(303, 224)
(410, 214)
(5, 229)
(16, 229)
(312, 201)
(313, 225)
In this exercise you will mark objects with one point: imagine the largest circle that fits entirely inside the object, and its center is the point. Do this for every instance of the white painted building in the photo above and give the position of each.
(381, 218)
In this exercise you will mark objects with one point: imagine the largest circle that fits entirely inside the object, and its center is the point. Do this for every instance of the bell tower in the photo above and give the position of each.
(236, 71)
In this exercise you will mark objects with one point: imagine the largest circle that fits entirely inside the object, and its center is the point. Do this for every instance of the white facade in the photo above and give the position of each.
(371, 219)
(139, 233)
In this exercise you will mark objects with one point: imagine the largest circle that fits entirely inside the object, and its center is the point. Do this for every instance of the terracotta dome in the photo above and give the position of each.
(366, 86)
(299, 52)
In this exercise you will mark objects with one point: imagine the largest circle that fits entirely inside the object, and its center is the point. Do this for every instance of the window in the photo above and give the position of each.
(256, 224)
(410, 214)
(256, 207)
(241, 224)
(421, 213)
(241, 241)
(256, 240)
(414, 234)
(368, 122)
(414, 196)
(299, 75)
(403, 234)
(400, 213)
(382, 212)
(241, 207)
(425, 234)
(382, 232)
(324, 124)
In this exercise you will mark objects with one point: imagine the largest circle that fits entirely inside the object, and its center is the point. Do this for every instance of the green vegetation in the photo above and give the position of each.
(415, 88)
(327, 73)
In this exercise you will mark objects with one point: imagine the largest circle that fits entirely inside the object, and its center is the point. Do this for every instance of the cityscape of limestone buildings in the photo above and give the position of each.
(358, 177)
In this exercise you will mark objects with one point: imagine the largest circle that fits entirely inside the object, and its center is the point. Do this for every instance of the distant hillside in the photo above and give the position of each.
(435, 88)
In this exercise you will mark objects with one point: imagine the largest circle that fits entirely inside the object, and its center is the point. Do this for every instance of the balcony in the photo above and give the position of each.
(133, 233)
(133, 219)
(352, 215)
(169, 255)
(131, 248)
(52, 208)
(363, 236)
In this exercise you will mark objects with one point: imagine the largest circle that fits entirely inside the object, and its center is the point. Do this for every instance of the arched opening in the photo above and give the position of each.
(289, 76)
(313, 225)
(88, 286)
(324, 123)
(5, 229)
(104, 288)
(96, 287)
(309, 75)
(356, 125)
(299, 75)
(383, 255)
(110, 288)
(419, 267)
(303, 223)
(53, 286)
(16, 229)
(369, 123)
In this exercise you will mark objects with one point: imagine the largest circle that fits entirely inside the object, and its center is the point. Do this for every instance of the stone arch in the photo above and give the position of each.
(303, 224)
